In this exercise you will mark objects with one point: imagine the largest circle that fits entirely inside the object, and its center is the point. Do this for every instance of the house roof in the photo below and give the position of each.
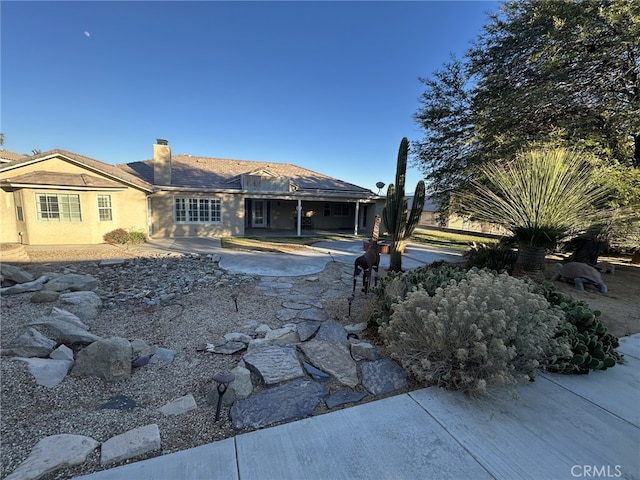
(62, 180)
(117, 175)
(7, 156)
(222, 173)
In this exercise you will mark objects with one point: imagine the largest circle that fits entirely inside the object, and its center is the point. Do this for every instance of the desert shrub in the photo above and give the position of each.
(592, 346)
(137, 238)
(394, 286)
(116, 237)
(496, 256)
(120, 236)
(483, 330)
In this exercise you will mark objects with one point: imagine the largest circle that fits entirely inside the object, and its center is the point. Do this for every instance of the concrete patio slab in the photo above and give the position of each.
(214, 461)
(605, 388)
(547, 433)
(387, 439)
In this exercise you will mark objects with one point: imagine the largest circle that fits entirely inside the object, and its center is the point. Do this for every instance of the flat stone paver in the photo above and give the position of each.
(291, 401)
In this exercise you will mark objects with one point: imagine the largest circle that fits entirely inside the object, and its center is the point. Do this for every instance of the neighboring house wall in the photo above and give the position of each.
(100, 210)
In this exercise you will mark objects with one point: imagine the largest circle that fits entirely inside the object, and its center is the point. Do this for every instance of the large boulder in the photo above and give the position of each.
(32, 343)
(108, 359)
(74, 282)
(15, 274)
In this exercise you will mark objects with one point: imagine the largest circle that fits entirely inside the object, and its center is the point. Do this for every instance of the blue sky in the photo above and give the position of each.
(329, 86)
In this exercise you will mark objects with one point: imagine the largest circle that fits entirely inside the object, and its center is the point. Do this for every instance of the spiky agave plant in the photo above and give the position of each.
(398, 220)
(542, 196)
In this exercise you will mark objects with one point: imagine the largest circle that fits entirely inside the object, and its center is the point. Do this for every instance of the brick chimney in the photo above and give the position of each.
(161, 163)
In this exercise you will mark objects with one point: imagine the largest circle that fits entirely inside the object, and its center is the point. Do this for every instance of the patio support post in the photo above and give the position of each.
(299, 217)
(355, 227)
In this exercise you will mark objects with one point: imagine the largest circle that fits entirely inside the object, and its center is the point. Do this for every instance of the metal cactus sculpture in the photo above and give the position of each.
(399, 222)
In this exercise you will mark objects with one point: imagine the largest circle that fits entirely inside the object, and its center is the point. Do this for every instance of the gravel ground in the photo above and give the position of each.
(31, 412)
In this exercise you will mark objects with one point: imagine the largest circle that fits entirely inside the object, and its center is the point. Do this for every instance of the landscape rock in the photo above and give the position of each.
(163, 355)
(47, 372)
(65, 332)
(274, 363)
(44, 296)
(228, 348)
(241, 386)
(363, 351)
(383, 376)
(332, 332)
(25, 287)
(282, 336)
(307, 329)
(60, 314)
(32, 343)
(62, 353)
(291, 401)
(15, 274)
(238, 337)
(130, 444)
(87, 304)
(74, 282)
(108, 359)
(120, 402)
(52, 453)
(179, 405)
(314, 314)
(315, 373)
(342, 397)
(333, 358)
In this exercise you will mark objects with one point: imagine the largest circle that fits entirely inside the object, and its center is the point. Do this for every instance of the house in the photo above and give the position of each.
(59, 197)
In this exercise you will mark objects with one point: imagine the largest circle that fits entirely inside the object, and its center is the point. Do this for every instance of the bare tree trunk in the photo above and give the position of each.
(530, 263)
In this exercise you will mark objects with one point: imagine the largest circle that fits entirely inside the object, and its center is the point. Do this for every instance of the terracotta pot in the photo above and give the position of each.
(383, 247)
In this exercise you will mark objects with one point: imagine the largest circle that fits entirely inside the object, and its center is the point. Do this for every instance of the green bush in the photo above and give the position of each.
(483, 330)
(137, 238)
(120, 236)
(494, 256)
(394, 286)
(592, 346)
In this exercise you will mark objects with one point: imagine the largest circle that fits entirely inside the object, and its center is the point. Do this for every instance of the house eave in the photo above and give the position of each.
(309, 194)
(61, 187)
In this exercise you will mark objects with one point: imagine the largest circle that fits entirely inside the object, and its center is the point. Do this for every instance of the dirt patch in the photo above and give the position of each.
(620, 307)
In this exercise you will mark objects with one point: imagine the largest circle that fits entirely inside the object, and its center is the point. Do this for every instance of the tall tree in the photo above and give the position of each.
(544, 72)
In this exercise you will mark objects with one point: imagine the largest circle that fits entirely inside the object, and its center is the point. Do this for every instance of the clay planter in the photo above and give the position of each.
(383, 247)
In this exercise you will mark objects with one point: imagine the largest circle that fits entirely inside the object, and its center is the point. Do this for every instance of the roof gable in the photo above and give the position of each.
(114, 174)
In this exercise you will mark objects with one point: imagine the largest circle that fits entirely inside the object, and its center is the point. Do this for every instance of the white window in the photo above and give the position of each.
(58, 207)
(105, 213)
(197, 210)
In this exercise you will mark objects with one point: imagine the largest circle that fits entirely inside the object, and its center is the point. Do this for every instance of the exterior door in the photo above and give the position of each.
(259, 214)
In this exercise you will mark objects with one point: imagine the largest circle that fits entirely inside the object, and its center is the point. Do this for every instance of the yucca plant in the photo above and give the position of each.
(542, 196)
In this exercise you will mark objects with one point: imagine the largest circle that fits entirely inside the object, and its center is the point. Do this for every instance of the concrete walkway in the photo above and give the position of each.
(306, 262)
(559, 427)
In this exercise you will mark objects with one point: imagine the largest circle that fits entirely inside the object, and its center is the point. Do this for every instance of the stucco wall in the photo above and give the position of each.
(164, 226)
(129, 210)
(8, 226)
